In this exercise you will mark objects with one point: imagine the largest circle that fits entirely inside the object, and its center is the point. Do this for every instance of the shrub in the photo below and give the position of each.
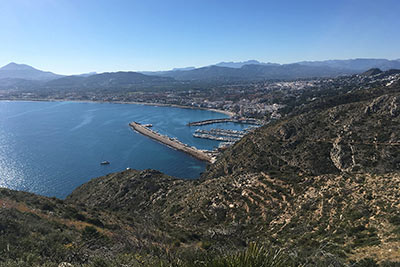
(89, 232)
(395, 219)
(253, 256)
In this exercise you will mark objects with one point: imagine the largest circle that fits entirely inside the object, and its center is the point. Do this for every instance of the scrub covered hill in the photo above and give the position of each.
(321, 184)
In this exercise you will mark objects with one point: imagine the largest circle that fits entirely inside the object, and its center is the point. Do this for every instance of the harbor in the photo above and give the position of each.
(226, 137)
(173, 143)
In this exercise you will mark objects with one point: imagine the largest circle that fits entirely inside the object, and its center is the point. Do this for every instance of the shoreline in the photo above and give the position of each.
(225, 112)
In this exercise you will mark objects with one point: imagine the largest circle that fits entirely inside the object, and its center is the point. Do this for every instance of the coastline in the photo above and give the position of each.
(225, 112)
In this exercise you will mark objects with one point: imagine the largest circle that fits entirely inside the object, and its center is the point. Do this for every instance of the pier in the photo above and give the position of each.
(217, 138)
(172, 142)
(223, 132)
(225, 120)
(229, 136)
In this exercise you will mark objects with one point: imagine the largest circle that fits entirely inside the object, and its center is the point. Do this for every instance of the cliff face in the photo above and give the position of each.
(323, 184)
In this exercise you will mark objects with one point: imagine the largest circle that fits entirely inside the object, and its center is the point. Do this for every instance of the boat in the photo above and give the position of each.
(104, 162)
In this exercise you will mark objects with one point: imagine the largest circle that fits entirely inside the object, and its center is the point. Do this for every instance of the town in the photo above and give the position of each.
(262, 100)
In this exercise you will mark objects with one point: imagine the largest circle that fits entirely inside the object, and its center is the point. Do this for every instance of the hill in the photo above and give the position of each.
(321, 185)
(355, 136)
(372, 72)
(322, 179)
(108, 80)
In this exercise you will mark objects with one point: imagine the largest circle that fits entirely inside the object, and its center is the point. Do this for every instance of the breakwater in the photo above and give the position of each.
(212, 121)
(172, 142)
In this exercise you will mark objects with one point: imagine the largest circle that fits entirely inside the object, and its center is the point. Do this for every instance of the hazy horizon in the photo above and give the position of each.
(72, 37)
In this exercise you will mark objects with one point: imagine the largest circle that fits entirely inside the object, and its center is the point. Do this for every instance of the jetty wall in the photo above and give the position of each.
(173, 143)
(224, 120)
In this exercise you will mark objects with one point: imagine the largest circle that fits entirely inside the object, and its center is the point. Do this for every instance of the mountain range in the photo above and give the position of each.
(359, 64)
(20, 76)
(255, 70)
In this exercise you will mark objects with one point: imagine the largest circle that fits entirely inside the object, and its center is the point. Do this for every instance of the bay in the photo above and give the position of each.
(50, 148)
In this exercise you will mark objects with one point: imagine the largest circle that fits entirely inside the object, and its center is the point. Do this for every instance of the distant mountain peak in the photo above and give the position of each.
(16, 66)
(183, 69)
(251, 61)
(87, 74)
(240, 64)
(22, 71)
(232, 64)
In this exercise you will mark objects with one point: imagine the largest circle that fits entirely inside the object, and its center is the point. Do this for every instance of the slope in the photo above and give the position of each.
(321, 184)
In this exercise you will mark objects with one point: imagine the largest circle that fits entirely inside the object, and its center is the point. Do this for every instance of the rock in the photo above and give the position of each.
(395, 107)
(342, 155)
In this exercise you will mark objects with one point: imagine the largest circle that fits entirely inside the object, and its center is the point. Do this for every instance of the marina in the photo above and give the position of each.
(227, 136)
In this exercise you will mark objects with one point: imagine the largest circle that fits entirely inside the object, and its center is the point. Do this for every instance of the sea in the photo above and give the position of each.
(50, 148)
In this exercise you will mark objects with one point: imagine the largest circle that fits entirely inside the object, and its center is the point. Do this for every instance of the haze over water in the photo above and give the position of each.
(50, 148)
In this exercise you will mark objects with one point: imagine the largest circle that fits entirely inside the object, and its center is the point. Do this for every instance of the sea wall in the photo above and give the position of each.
(171, 142)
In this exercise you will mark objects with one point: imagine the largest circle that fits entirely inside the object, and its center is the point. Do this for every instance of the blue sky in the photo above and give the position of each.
(76, 36)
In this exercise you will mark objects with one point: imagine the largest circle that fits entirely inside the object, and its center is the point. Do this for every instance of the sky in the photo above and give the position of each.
(79, 36)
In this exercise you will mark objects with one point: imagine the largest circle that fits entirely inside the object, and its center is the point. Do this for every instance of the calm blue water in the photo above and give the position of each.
(50, 148)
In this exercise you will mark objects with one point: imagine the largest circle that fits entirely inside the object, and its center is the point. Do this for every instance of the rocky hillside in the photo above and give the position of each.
(319, 179)
(354, 137)
(322, 185)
